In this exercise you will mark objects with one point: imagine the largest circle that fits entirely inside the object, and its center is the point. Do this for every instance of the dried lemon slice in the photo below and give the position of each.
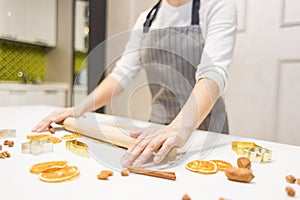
(222, 165)
(202, 166)
(64, 174)
(44, 166)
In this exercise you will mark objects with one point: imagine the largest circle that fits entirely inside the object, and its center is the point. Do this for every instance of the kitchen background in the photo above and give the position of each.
(264, 85)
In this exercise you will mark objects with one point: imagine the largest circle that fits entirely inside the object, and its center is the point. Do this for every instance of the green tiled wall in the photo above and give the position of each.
(16, 57)
(80, 62)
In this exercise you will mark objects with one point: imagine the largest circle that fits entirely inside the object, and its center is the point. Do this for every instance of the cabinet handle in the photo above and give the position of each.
(9, 36)
(50, 92)
(41, 42)
(18, 91)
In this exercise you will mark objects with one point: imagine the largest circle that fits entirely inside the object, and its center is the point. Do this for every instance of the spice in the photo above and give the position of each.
(158, 174)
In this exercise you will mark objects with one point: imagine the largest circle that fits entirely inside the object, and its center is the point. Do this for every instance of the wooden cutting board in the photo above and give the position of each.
(91, 128)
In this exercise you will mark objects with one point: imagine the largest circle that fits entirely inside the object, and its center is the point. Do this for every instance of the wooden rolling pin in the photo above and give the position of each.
(91, 128)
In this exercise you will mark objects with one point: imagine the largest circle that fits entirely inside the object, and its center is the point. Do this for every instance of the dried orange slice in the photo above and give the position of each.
(44, 166)
(70, 136)
(38, 136)
(54, 140)
(202, 166)
(222, 165)
(64, 174)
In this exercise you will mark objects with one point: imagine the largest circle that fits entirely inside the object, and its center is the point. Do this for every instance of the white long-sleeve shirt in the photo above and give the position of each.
(218, 21)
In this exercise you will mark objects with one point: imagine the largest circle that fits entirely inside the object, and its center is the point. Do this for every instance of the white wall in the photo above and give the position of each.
(264, 84)
(59, 60)
(134, 103)
(264, 78)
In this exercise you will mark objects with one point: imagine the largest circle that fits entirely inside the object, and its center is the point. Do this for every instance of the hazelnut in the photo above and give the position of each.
(290, 179)
(108, 172)
(290, 191)
(125, 172)
(6, 142)
(102, 176)
(10, 143)
(298, 181)
(51, 130)
(244, 162)
(186, 197)
(0, 147)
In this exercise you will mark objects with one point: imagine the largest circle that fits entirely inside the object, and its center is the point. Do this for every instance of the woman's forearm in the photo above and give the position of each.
(102, 94)
(197, 107)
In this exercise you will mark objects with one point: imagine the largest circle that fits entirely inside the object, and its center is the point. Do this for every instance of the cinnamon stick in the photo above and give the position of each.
(158, 174)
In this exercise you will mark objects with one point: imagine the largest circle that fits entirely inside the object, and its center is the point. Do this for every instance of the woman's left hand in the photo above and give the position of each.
(150, 140)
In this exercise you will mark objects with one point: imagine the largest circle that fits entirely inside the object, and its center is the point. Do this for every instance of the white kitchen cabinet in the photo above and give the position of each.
(22, 94)
(11, 12)
(79, 94)
(81, 25)
(30, 21)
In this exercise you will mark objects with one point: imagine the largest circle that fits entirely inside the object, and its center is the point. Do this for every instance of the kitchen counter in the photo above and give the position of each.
(47, 93)
(57, 86)
(18, 183)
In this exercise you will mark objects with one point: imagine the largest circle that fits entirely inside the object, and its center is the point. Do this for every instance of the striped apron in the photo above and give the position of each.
(170, 57)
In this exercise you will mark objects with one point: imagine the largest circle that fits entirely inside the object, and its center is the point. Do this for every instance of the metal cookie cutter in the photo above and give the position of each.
(78, 148)
(259, 155)
(36, 147)
(7, 133)
(251, 150)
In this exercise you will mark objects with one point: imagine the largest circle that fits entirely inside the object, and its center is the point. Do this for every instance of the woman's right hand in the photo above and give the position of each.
(56, 116)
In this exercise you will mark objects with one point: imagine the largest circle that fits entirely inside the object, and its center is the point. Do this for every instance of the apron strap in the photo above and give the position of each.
(150, 17)
(153, 12)
(195, 12)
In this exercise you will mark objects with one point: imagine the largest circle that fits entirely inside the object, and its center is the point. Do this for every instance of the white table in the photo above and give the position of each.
(17, 183)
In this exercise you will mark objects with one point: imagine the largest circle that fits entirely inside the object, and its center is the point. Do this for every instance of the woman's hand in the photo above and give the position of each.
(150, 140)
(56, 116)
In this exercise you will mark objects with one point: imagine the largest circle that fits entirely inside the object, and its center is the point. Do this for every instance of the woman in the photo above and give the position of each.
(185, 47)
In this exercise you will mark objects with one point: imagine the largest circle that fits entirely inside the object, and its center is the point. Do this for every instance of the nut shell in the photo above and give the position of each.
(108, 172)
(290, 191)
(125, 172)
(102, 176)
(290, 179)
(186, 197)
(52, 130)
(10, 143)
(239, 174)
(244, 162)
